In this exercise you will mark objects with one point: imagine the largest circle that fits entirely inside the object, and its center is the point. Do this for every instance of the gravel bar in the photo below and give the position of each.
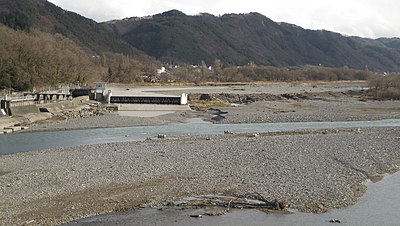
(313, 171)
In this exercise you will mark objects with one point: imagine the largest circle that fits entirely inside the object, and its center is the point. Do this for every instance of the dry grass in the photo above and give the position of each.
(391, 93)
(207, 104)
(385, 87)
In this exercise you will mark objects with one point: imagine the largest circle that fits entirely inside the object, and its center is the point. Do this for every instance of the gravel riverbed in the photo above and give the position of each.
(310, 170)
(328, 108)
(313, 107)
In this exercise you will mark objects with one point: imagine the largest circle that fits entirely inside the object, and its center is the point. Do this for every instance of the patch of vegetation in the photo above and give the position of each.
(254, 73)
(384, 87)
(201, 105)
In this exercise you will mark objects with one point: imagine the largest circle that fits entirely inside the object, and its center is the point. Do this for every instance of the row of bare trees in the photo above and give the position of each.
(38, 59)
(251, 72)
(127, 69)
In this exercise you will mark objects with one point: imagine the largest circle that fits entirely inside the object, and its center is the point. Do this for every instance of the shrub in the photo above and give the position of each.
(384, 87)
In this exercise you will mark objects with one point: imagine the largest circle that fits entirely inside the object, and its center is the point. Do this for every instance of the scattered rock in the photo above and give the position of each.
(335, 221)
(255, 135)
(162, 136)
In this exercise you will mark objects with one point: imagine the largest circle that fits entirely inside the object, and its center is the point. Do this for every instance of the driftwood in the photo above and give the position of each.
(275, 204)
(248, 201)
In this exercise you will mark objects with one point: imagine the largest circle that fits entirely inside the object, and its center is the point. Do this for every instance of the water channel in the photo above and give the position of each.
(30, 141)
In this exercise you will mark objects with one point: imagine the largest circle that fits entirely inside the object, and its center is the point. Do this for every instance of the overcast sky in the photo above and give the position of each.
(365, 18)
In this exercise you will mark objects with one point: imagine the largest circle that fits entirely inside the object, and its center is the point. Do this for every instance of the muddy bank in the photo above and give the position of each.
(60, 185)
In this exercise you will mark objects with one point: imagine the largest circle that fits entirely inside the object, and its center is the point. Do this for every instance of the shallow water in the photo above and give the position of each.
(23, 142)
(379, 206)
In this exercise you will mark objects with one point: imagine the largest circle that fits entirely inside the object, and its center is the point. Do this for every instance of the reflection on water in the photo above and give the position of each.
(379, 206)
(23, 142)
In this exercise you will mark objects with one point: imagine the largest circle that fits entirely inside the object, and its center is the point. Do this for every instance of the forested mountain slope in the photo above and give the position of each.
(242, 38)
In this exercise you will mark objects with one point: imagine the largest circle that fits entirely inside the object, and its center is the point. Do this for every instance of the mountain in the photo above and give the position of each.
(390, 42)
(47, 17)
(238, 39)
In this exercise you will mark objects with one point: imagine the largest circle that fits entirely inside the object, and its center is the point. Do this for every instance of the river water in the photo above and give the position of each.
(30, 141)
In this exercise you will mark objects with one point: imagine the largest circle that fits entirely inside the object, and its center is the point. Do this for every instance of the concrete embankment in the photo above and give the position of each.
(6, 122)
(26, 115)
(23, 110)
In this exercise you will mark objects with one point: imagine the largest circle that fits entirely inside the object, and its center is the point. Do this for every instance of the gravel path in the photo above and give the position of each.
(310, 170)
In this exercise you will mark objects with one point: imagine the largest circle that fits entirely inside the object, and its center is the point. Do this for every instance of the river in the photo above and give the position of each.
(31, 141)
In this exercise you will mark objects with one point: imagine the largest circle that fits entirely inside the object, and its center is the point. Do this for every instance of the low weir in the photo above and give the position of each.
(172, 100)
(145, 100)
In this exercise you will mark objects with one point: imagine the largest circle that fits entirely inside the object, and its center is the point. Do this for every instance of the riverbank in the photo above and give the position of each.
(330, 169)
(257, 103)
(305, 107)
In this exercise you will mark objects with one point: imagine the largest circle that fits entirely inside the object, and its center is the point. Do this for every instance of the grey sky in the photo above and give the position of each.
(365, 18)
